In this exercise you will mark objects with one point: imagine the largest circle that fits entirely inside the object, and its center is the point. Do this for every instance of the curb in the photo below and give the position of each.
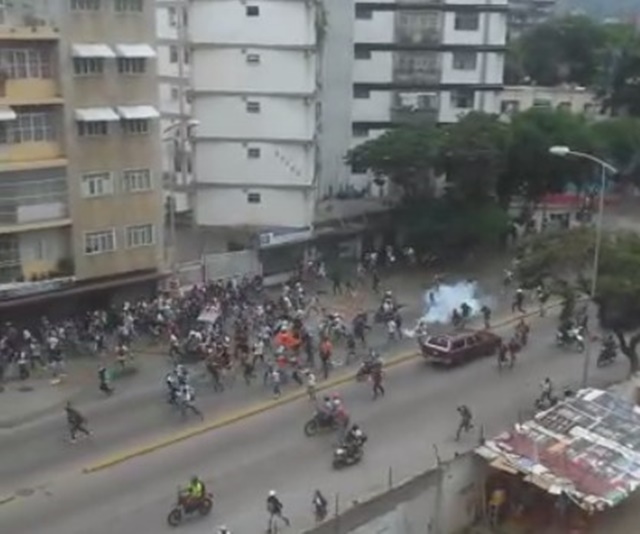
(266, 406)
(7, 499)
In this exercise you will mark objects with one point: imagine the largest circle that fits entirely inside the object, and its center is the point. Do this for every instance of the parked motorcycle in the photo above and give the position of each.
(318, 423)
(187, 506)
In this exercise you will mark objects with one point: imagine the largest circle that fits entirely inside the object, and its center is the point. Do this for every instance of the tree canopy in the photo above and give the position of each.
(565, 260)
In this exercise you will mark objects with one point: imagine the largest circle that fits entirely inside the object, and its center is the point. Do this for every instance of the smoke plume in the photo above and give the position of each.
(443, 299)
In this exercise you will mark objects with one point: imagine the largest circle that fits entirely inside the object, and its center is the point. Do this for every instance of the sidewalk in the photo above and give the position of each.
(27, 401)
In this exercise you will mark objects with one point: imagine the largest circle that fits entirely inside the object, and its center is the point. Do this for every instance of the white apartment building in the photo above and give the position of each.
(424, 61)
(253, 86)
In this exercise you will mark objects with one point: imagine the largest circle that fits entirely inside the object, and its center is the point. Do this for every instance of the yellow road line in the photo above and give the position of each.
(262, 407)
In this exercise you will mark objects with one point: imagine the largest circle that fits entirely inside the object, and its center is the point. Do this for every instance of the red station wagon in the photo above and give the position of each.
(459, 347)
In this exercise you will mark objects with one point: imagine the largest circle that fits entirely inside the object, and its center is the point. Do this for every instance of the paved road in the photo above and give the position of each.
(245, 460)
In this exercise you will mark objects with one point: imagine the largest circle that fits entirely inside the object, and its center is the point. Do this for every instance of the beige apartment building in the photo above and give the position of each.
(80, 187)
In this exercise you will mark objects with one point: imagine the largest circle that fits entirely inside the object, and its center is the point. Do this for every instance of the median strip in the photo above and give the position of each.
(265, 406)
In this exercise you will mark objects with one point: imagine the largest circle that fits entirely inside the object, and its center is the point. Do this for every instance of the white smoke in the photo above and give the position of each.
(443, 299)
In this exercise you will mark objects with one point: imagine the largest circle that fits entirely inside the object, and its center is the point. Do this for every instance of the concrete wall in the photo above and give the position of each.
(439, 501)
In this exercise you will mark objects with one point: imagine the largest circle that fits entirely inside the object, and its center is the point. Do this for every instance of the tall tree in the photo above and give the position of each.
(473, 153)
(566, 261)
(618, 141)
(532, 172)
(563, 50)
(404, 155)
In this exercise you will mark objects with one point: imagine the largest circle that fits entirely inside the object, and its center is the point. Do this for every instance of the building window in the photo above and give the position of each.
(462, 98)
(85, 5)
(467, 22)
(23, 63)
(93, 129)
(363, 13)
(359, 131)
(253, 59)
(253, 107)
(10, 257)
(175, 92)
(362, 54)
(31, 127)
(173, 54)
(361, 93)
(129, 6)
(542, 103)
(90, 66)
(465, 60)
(135, 126)
(254, 198)
(253, 153)
(252, 11)
(99, 242)
(140, 235)
(132, 65)
(172, 15)
(564, 106)
(97, 184)
(136, 180)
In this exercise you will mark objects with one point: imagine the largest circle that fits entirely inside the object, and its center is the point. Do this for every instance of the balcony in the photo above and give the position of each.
(23, 25)
(414, 108)
(33, 200)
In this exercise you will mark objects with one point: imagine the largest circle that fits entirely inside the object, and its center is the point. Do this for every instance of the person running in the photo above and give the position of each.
(76, 421)
(275, 509)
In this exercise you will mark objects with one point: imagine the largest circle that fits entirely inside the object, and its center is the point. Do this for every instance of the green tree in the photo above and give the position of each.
(473, 154)
(566, 49)
(404, 155)
(531, 171)
(618, 141)
(565, 260)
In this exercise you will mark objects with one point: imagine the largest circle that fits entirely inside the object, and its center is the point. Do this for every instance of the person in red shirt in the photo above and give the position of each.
(326, 350)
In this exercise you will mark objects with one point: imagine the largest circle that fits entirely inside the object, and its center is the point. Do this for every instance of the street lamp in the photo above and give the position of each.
(565, 151)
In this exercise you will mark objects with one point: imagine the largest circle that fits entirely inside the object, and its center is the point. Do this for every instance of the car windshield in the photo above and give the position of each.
(439, 341)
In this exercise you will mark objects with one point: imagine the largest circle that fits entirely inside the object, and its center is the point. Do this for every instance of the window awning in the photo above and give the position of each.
(7, 114)
(138, 112)
(92, 50)
(96, 115)
(135, 50)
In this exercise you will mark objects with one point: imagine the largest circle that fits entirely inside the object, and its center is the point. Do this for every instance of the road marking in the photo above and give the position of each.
(265, 406)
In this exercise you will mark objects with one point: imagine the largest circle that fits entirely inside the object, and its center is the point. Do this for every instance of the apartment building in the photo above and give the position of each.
(80, 190)
(425, 61)
(574, 99)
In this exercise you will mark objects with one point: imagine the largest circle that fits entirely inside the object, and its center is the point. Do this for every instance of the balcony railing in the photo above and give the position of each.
(33, 201)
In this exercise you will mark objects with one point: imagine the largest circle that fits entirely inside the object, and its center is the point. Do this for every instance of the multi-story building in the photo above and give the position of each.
(79, 144)
(253, 89)
(425, 61)
(570, 98)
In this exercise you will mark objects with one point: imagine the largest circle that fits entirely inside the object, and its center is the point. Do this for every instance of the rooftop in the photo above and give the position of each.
(587, 447)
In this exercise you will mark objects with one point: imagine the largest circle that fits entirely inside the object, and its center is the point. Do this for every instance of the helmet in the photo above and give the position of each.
(355, 428)
(326, 398)
(272, 493)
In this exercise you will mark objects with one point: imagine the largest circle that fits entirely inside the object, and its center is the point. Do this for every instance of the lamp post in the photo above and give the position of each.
(605, 168)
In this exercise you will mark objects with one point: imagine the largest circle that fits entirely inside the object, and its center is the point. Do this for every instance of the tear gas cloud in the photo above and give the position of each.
(441, 300)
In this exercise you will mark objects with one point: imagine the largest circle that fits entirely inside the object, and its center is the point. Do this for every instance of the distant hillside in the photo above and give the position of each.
(602, 9)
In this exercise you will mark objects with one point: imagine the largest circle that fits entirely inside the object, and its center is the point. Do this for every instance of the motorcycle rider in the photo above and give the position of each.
(187, 396)
(195, 490)
(341, 416)
(354, 439)
(609, 347)
(172, 384)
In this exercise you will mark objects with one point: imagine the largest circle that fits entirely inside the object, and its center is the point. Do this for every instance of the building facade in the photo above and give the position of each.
(516, 98)
(79, 144)
(253, 91)
(426, 61)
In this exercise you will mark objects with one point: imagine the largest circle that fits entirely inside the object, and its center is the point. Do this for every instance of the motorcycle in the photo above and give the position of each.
(319, 422)
(186, 506)
(345, 456)
(606, 357)
(573, 338)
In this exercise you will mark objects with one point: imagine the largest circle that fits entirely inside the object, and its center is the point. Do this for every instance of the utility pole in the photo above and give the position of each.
(181, 144)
